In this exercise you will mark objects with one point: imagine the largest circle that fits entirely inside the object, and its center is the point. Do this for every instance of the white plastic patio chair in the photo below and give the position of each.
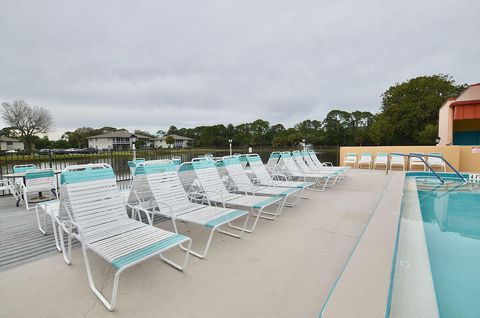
(97, 217)
(158, 181)
(381, 159)
(263, 177)
(217, 193)
(350, 159)
(38, 181)
(435, 161)
(365, 159)
(417, 162)
(397, 161)
(241, 183)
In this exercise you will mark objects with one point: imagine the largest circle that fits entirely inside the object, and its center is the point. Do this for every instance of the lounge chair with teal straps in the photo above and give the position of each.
(38, 181)
(272, 162)
(312, 161)
(97, 217)
(158, 183)
(241, 183)
(216, 192)
(262, 177)
(321, 180)
(301, 158)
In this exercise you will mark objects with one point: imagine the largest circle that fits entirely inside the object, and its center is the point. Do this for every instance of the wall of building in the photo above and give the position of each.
(15, 145)
(461, 157)
(177, 144)
(445, 129)
(100, 143)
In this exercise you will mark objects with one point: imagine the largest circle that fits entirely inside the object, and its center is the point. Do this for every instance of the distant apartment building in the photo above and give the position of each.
(116, 140)
(7, 143)
(459, 119)
(180, 142)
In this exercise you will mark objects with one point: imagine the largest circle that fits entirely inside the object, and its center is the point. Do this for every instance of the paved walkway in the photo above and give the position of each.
(285, 269)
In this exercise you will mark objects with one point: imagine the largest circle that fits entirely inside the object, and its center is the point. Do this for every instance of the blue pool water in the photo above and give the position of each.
(452, 230)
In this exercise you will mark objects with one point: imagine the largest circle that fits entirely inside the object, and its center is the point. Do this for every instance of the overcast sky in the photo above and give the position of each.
(151, 64)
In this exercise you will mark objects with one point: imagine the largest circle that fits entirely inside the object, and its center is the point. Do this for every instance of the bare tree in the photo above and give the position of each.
(27, 120)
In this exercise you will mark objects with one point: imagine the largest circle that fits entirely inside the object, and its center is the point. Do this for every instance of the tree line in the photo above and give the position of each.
(408, 116)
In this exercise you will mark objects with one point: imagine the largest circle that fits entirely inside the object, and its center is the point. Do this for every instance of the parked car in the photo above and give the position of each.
(58, 151)
(11, 151)
(44, 151)
(72, 150)
(89, 150)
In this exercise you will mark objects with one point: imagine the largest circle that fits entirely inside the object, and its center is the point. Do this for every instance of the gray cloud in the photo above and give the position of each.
(151, 64)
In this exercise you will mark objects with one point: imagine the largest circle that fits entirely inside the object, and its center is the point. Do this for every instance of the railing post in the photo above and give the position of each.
(50, 158)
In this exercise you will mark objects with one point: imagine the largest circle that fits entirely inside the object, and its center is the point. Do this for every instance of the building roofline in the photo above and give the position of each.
(174, 136)
(465, 102)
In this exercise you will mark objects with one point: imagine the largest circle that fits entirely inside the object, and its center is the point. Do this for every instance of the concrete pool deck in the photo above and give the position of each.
(287, 268)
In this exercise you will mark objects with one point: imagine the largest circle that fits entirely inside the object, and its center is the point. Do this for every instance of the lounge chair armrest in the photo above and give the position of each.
(198, 196)
(221, 196)
(145, 211)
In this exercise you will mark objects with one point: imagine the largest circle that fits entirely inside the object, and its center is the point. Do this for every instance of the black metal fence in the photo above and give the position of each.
(118, 159)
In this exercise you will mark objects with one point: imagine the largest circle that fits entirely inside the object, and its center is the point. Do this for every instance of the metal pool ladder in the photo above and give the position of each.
(420, 156)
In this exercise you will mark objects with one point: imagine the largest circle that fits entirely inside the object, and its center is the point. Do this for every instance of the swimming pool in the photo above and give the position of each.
(438, 260)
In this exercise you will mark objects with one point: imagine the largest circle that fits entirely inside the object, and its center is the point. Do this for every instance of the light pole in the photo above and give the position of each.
(133, 140)
(230, 143)
(304, 144)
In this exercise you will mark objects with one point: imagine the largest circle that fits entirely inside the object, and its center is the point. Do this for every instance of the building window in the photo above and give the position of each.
(9, 143)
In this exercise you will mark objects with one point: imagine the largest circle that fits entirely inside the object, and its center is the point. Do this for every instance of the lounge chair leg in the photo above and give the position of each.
(39, 223)
(66, 252)
(55, 234)
(175, 265)
(110, 306)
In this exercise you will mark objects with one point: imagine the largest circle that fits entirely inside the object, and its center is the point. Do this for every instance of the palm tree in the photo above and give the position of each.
(170, 141)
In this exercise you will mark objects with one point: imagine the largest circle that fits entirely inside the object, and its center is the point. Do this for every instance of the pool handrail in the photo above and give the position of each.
(420, 156)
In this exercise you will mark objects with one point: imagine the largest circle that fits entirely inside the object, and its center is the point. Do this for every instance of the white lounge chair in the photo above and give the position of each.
(132, 164)
(241, 183)
(350, 159)
(24, 168)
(435, 161)
(158, 182)
(36, 182)
(381, 159)
(217, 193)
(177, 160)
(97, 217)
(315, 160)
(307, 164)
(262, 176)
(8, 185)
(312, 160)
(292, 171)
(365, 159)
(417, 162)
(397, 161)
(51, 210)
(272, 161)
